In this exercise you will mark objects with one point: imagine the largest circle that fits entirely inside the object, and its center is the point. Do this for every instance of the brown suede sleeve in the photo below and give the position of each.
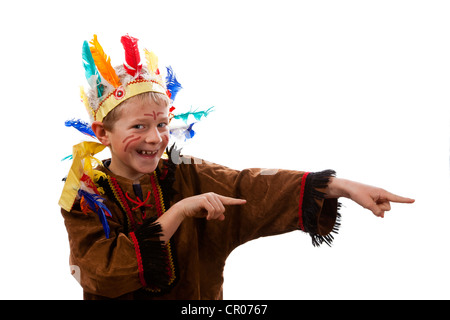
(273, 201)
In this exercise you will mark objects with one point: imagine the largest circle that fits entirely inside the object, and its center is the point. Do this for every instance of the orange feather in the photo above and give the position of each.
(103, 63)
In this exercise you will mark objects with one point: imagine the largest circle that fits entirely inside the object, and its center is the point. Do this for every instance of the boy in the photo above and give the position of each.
(143, 227)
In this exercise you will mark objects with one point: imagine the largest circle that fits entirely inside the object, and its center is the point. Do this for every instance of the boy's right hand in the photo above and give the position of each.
(209, 205)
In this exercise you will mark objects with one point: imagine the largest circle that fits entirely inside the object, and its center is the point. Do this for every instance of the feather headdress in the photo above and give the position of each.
(114, 86)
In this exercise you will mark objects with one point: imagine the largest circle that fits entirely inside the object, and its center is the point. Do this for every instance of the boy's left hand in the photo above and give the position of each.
(372, 198)
(376, 199)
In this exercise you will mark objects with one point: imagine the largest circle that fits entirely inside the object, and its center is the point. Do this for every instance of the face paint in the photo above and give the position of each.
(154, 114)
(130, 141)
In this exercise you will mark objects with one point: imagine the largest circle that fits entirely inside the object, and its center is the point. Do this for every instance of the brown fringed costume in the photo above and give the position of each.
(133, 264)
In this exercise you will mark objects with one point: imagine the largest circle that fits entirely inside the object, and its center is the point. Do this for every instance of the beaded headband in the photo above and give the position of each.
(108, 90)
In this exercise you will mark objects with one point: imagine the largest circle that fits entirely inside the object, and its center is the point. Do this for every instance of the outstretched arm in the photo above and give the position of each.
(375, 199)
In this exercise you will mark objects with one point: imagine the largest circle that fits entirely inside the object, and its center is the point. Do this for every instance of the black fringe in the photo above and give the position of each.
(154, 256)
(310, 208)
(166, 179)
(318, 239)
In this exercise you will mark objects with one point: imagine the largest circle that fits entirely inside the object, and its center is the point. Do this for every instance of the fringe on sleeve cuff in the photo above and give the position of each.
(318, 216)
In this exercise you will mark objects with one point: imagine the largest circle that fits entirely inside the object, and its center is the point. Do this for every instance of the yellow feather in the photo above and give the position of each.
(103, 63)
(85, 100)
(152, 61)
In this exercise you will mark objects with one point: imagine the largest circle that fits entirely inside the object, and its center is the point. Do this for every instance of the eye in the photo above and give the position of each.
(162, 125)
(138, 126)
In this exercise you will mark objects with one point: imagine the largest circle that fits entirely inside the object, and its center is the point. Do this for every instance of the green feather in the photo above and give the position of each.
(91, 69)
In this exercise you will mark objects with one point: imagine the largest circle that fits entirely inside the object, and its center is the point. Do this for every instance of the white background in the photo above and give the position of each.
(361, 87)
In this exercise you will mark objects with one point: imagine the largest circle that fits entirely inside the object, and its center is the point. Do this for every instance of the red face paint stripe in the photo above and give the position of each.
(129, 137)
(131, 141)
(151, 114)
(154, 114)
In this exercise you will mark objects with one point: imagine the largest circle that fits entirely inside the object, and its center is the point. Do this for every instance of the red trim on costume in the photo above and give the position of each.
(158, 200)
(300, 210)
(122, 199)
(139, 259)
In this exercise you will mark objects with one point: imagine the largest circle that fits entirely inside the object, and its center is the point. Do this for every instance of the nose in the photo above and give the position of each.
(153, 136)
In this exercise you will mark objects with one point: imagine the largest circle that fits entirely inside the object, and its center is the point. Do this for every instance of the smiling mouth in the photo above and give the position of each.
(147, 152)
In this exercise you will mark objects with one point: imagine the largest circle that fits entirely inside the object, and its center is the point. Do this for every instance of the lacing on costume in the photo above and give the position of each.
(139, 202)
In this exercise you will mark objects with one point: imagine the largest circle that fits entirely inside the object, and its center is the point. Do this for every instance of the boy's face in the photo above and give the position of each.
(138, 138)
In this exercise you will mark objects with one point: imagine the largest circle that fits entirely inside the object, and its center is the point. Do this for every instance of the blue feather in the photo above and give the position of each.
(197, 114)
(94, 202)
(186, 132)
(90, 68)
(69, 157)
(81, 126)
(172, 83)
(190, 132)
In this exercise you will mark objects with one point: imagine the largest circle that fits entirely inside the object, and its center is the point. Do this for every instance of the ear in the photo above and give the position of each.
(100, 132)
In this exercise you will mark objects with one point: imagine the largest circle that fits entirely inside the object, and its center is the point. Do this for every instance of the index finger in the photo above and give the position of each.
(231, 201)
(399, 199)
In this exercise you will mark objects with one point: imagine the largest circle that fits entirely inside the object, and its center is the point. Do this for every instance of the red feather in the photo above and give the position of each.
(132, 56)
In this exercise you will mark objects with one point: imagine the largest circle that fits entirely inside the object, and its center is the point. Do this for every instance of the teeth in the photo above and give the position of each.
(148, 152)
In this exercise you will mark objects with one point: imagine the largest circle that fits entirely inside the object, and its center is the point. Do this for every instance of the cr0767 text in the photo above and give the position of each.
(246, 309)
